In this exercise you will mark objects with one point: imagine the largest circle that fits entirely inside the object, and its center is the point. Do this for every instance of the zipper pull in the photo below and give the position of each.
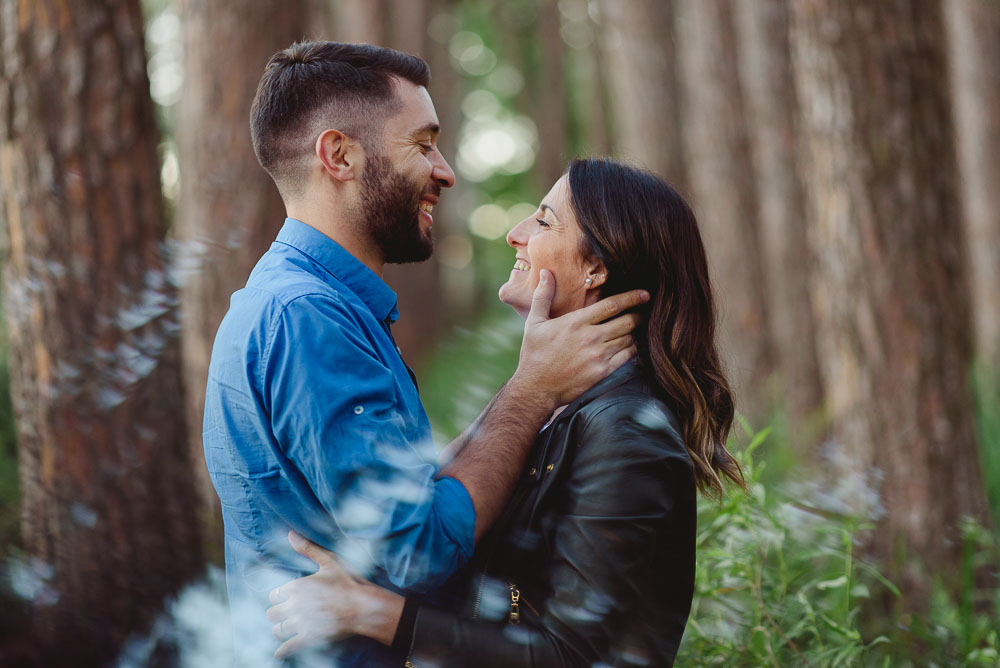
(515, 608)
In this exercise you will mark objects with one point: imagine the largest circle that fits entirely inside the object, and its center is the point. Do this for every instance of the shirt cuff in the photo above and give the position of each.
(458, 515)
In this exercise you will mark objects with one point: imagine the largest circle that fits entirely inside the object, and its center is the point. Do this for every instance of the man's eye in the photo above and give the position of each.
(426, 148)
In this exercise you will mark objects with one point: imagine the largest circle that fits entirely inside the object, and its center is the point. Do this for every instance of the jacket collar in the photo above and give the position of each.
(618, 377)
(349, 270)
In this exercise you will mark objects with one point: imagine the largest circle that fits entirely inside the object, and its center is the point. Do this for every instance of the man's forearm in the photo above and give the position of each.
(489, 456)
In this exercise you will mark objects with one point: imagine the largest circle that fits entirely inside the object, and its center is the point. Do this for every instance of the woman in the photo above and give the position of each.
(593, 560)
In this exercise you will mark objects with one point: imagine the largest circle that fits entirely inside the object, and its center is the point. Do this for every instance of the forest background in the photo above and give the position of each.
(842, 156)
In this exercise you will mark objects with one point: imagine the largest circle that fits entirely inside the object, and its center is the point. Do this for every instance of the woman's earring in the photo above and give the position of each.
(589, 280)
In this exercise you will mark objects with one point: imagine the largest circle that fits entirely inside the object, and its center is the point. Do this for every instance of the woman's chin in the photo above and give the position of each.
(506, 296)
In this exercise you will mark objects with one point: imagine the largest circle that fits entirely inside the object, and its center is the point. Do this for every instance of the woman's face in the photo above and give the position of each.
(551, 239)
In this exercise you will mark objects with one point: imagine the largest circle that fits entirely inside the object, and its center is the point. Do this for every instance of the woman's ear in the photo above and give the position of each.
(596, 276)
(338, 154)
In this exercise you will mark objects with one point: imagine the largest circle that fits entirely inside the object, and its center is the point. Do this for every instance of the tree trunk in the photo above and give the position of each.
(717, 151)
(768, 87)
(108, 500)
(393, 23)
(974, 50)
(890, 290)
(586, 80)
(549, 97)
(641, 52)
(229, 211)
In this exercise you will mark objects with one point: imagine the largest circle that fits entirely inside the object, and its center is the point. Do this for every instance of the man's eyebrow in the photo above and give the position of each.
(432, 128)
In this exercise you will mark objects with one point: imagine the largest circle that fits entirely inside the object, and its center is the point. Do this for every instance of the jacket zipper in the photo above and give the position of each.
(515, 608)
(486, 564)
(479, 592)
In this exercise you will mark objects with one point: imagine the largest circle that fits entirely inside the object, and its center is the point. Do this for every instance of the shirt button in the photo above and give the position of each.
(358, 410)
(533, 471)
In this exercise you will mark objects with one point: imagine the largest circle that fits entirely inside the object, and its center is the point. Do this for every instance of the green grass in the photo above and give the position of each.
(986, 390)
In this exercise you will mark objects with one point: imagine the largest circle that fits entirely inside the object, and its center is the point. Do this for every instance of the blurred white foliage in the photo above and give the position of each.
(29, 578)
(196, 623)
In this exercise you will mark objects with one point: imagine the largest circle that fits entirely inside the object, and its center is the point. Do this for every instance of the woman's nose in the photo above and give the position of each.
(518, 235)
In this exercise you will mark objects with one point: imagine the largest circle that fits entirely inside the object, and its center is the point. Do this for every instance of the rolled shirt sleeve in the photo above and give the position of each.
(340, 417)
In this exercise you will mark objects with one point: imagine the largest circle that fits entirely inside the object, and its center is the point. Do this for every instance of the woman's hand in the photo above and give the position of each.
(329, 604)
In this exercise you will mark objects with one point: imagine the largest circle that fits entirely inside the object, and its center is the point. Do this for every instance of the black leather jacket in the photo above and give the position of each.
(596, 545)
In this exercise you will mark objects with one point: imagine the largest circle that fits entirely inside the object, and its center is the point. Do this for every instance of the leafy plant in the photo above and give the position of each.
(780, 583)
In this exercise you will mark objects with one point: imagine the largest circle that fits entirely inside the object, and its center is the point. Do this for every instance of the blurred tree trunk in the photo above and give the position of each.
(229, 211)
(974, 50)
(529, 37)
(586, 81)
(724, 195)
(455, 275)
(638, 39)
(893, 310)
(549, 96)
(362, 21)
(402, 24)
(108, 499)
(768, 86)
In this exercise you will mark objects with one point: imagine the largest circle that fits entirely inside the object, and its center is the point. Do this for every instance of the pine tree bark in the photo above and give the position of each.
(108, 500)
(638, 38)
(717, 152)
(893, 309)
(768, 88)
(974, 49)
(229, 210)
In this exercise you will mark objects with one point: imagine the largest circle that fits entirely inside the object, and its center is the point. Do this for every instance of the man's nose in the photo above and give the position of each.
(442, 173)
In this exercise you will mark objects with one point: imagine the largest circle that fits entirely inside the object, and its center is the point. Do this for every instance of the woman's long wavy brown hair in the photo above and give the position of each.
(647, 237)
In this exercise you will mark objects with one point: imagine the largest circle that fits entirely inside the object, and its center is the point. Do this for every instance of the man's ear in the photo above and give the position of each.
(340, 157)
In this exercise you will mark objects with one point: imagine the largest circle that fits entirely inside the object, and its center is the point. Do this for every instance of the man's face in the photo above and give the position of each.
(401, 183)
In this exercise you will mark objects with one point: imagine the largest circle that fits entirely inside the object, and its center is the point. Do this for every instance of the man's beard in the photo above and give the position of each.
(389, 206)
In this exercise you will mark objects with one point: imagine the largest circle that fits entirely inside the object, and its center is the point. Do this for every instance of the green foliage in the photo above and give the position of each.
(467, 370)
(986, 390)
(780, 583)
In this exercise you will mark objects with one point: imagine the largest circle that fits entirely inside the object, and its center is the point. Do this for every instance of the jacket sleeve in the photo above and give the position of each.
(620, 491)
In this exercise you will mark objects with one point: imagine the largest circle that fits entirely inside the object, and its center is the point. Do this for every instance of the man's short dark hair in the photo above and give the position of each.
(311, 84)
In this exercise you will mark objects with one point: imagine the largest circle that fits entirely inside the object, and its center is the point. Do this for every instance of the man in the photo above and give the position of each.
(312, 419)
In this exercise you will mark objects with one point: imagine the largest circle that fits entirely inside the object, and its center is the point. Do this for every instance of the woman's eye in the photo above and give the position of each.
(541, 222)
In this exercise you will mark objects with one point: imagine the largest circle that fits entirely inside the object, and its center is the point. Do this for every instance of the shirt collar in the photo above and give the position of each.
(349, 270)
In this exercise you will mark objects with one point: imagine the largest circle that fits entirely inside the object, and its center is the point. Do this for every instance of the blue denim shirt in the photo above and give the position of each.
(313, 422)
